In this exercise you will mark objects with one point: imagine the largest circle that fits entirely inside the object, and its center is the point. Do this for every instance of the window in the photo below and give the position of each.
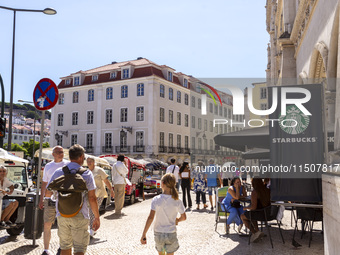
(178, 96)
(179, 117)
(60, 140)
(74, 139)
(109, 93)
(90, 115)
(95, 77)
(140, 139)
(225, 112)
(216, 109)
(193, 101)
(199, 124)
(140, 89)
(108, 116)
(193, 145)
(161, 139)
(179, 140)
(75, 98)
(89, 140)
(125, 73)
(205, 143)
(90, 95)
(171, 140)
(76, 81)
(186, 120)
(123, 114)
(169, 76)
(161, 91)
(113, 75)
(220, 110)
(193, 121)
(171, 117)
(229, 113)
(108, 140)
(263, 93)
(185, 83)
(74, 118)
(186, 142)
(67, 81)
(61, 98)
(140, 113)
(205, 125)
(199, 104)
(199, 143)
(161, 114)
(186, 99)
(60, 119)
(171, 94)
(124, 90)
(263, 106)
(211, 145)
(123, 139)
(211, 125)
(211, 107)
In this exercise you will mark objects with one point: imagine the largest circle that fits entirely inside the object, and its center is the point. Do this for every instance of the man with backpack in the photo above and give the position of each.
(76, 188)
(174, 169)
(46, 201)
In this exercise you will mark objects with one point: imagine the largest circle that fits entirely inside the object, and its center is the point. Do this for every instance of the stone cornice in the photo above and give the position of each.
(278, 13)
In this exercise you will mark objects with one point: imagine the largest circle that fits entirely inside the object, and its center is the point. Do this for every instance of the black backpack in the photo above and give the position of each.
(70, 188)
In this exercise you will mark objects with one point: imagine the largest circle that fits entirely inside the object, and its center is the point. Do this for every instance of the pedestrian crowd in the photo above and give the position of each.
(72, 195)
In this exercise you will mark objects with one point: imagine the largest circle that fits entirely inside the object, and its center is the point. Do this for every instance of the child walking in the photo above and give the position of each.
(165, 206)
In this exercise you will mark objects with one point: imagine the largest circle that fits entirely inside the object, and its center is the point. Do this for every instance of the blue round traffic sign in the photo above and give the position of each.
(45, 94)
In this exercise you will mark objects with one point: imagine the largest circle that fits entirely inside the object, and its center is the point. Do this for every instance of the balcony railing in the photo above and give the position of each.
(179, 150)
(107, 149)
(186, 151)
(89, 149)
(171, 149)
(138, 148)
(162, 149)
(125, 149)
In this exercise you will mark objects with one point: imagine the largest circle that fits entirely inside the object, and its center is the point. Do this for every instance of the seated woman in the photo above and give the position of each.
(8, 205)
(260, 198)
(235, 192)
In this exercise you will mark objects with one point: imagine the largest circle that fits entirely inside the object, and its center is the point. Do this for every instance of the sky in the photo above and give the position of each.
(205, 39)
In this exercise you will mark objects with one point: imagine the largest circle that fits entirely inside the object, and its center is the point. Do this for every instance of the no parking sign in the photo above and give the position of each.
(45, 94)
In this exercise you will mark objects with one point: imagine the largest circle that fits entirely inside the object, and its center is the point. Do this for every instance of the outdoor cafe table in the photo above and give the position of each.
(294, 207)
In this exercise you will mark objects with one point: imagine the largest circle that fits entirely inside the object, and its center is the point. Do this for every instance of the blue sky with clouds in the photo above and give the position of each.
(216, 38)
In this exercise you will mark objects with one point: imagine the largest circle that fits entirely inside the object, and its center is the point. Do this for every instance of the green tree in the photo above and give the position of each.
(16, 147)
(29, 146)
(32, 115)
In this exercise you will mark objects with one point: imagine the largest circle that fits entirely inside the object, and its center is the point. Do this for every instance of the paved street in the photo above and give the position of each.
(196, 236)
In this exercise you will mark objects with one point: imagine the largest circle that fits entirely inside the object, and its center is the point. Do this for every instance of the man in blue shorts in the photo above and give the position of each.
(212, 175)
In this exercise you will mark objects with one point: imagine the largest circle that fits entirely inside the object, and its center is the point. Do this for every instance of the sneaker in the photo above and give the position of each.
(239, 228)
(212, 208)
(256, 237)
(10, 224)
(59, 251)
(92, 232)
(4, 225)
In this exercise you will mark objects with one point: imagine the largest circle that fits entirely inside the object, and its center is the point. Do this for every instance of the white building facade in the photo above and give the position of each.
(140, 109)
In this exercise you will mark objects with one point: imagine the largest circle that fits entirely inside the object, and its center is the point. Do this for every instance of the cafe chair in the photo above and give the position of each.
(266, 215)
(221, 215)
(308, 216)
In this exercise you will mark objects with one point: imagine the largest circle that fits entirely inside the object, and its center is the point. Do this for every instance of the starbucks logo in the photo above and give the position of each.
(290, 127)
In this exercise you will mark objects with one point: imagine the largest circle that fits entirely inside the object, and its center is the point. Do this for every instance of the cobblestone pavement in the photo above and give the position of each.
(196, 236)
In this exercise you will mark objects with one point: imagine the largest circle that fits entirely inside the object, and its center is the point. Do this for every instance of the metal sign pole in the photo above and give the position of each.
(36, 202)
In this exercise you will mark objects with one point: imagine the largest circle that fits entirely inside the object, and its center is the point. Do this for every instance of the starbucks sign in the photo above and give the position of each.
(295, 122)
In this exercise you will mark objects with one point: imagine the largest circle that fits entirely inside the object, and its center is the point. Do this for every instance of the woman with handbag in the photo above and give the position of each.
(232, 204)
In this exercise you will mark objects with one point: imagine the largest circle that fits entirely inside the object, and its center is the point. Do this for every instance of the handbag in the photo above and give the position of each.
(235, 204)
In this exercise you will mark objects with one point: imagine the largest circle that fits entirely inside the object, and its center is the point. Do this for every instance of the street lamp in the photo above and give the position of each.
(35, 113)
(48, 11)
